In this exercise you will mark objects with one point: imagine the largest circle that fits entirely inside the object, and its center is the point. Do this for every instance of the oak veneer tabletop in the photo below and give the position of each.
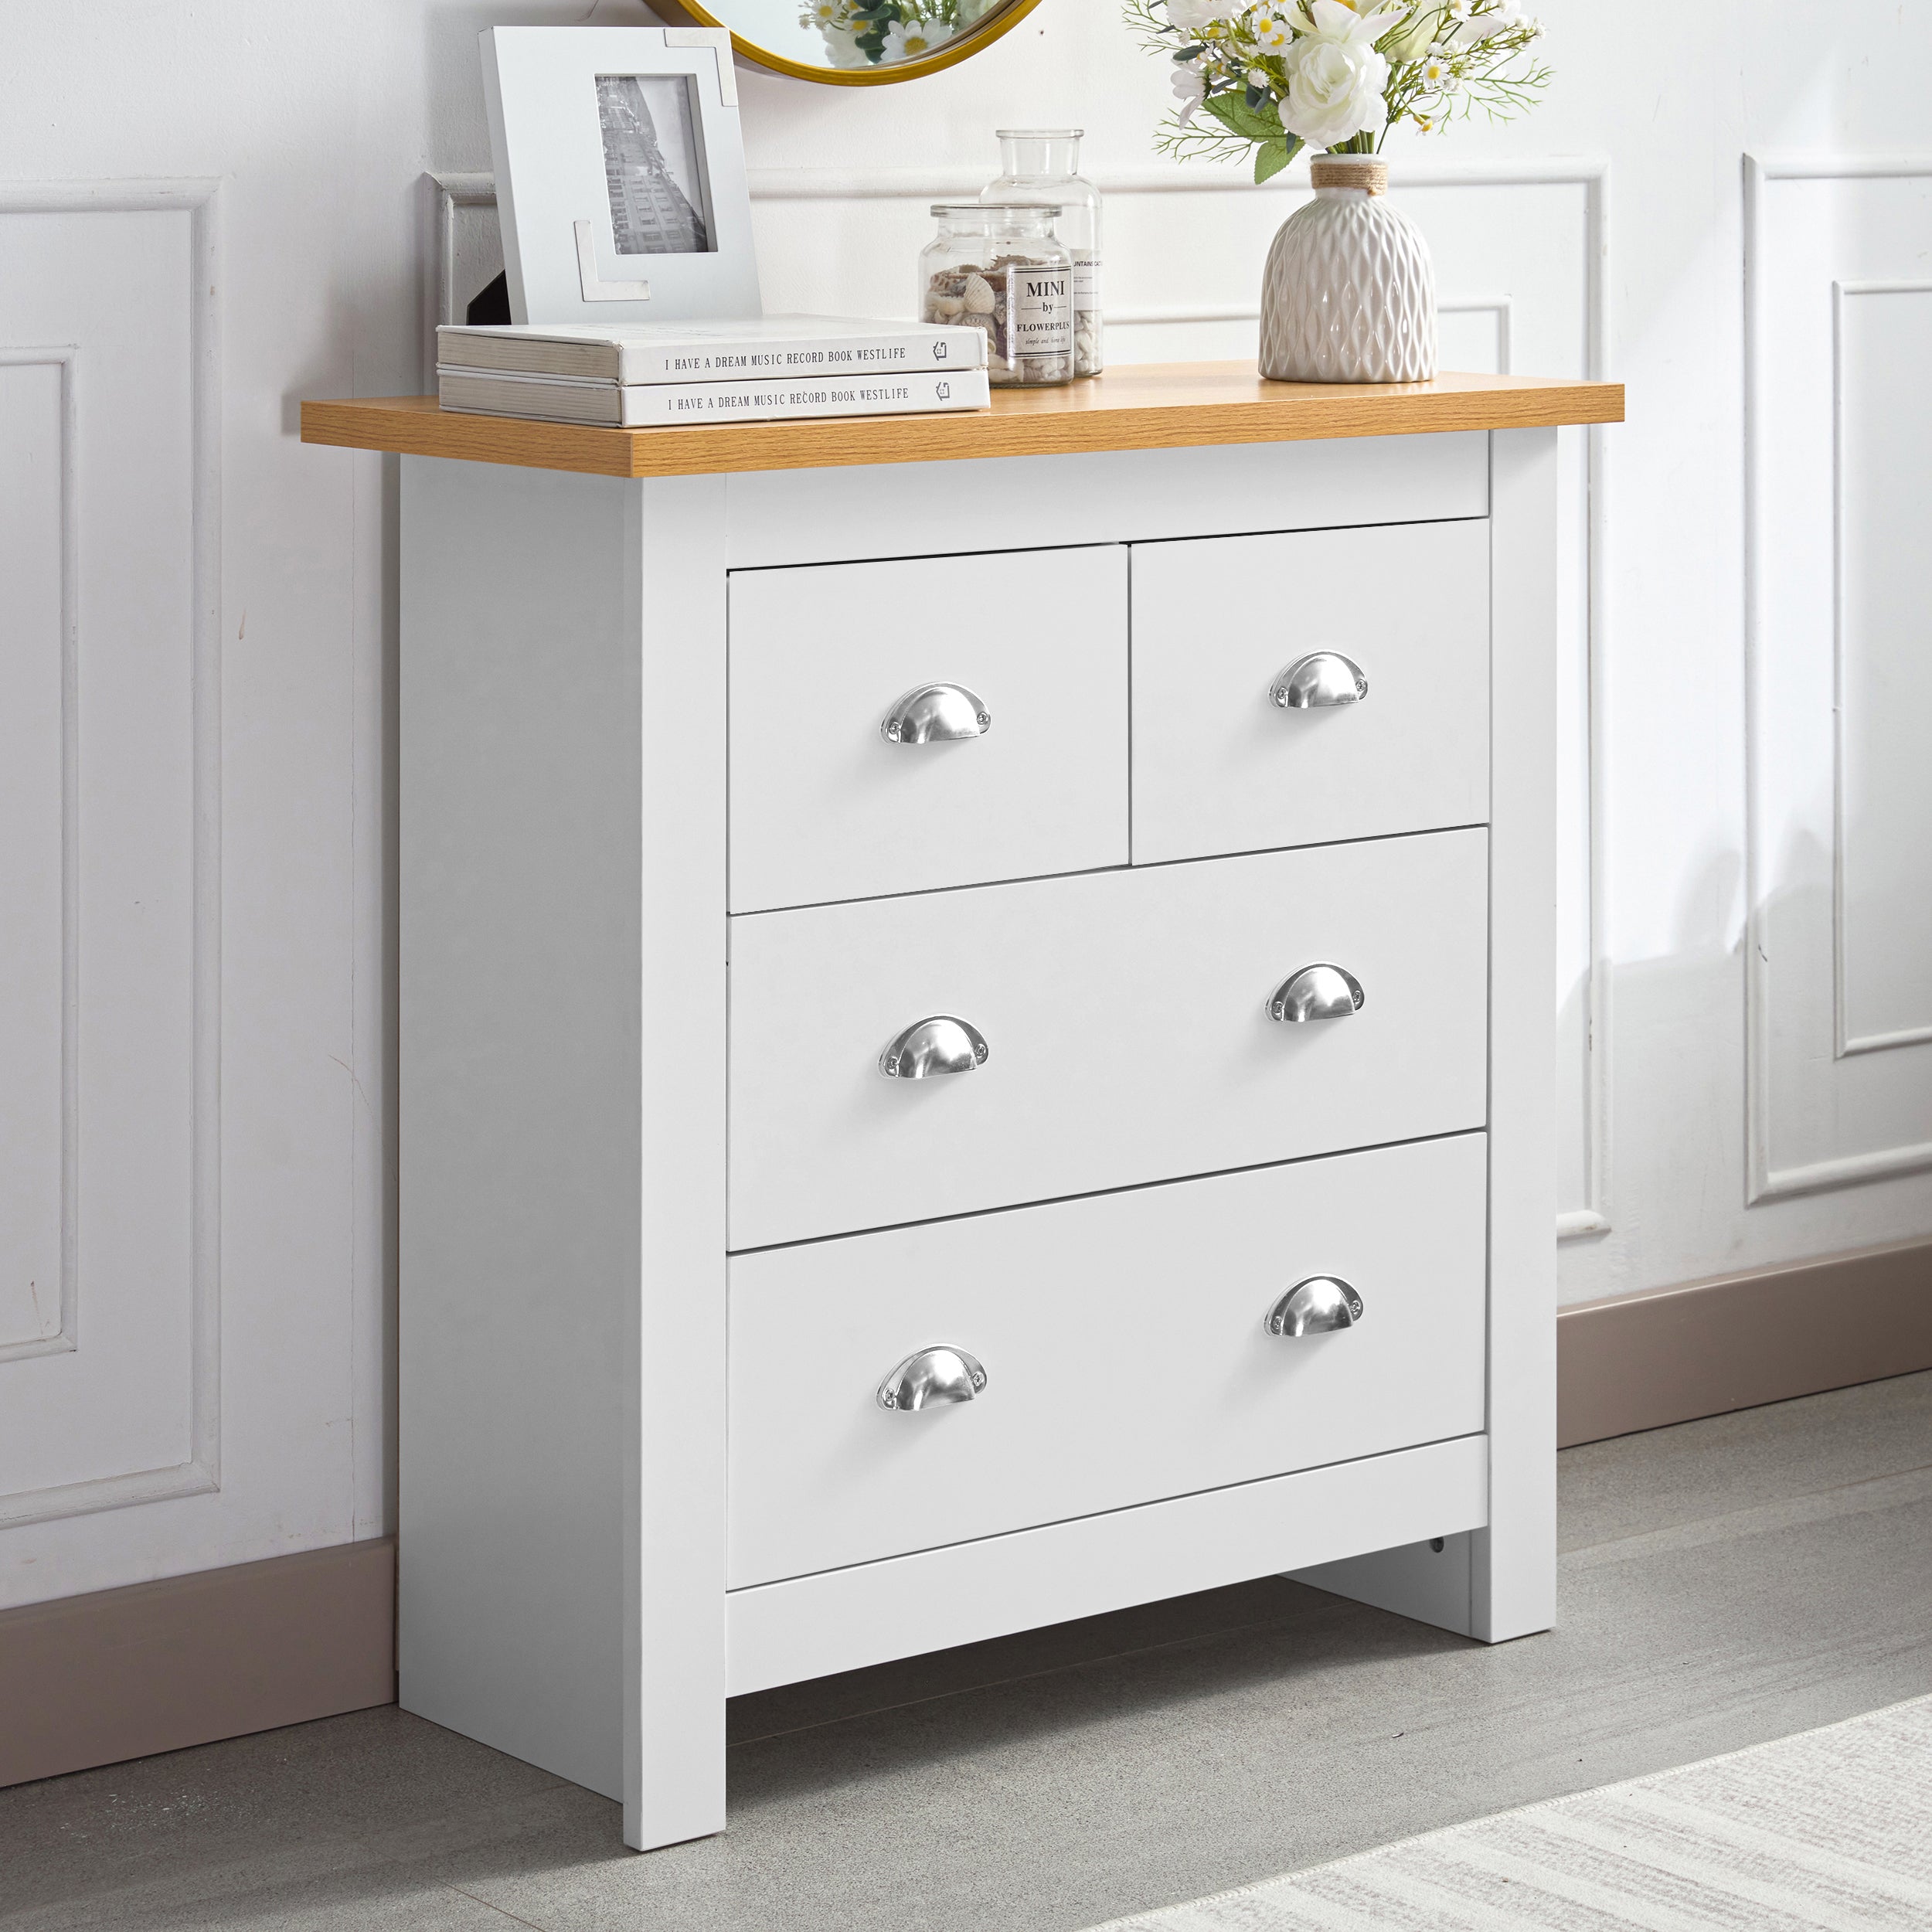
(1140, 406)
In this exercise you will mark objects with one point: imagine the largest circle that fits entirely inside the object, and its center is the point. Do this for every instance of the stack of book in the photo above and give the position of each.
(631, 374)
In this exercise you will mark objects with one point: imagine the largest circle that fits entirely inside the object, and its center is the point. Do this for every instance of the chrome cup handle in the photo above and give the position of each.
(1320, 991)
(1319, 1305)
(931, 713)
(940, 1045)
(1320, 679)
(934, 1375)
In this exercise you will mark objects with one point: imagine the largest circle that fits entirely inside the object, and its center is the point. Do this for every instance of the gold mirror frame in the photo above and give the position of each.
(689, 13)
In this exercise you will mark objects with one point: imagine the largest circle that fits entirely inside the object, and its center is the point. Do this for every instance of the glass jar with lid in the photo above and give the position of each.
(1041, 166)
(1000, 267)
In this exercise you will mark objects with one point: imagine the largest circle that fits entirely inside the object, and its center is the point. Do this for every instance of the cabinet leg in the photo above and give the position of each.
(674, 1551)
(1463, 1583)
(678, 1790)
(1430, 1581)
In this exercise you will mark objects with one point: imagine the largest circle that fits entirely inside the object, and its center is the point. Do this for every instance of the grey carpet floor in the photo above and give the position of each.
(1830, 1830)
(1722, 1584)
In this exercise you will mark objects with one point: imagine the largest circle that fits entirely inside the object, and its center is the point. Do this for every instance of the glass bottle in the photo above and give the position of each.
(1041, 166)
(1001, 268)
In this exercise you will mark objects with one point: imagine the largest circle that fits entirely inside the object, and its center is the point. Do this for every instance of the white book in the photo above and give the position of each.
(738, 349)
(562, 399)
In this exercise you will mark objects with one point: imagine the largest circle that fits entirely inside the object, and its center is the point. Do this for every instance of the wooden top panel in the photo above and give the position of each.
(1142, 407)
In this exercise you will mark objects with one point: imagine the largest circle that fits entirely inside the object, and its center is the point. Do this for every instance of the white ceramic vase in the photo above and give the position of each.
(1349, 295)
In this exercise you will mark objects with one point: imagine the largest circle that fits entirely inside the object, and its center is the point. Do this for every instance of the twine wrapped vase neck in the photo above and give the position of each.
(1350, 171)
(1349, 292)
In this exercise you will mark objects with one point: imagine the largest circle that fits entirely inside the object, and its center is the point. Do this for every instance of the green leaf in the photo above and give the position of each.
(1251, 124)
(1272, 156)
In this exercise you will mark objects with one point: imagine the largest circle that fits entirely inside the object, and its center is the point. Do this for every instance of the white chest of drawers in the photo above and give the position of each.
(725, 1358)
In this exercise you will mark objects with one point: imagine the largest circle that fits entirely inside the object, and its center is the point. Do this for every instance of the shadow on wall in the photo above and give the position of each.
(1677, 1044)
(1681, 1051)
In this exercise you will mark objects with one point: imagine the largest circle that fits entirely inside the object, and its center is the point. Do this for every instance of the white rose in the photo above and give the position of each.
(1335, 91)
(1362, 21)
(1190, 16)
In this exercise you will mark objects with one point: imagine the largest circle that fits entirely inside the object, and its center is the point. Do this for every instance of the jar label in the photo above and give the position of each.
(1087, 283)
(1041, 322)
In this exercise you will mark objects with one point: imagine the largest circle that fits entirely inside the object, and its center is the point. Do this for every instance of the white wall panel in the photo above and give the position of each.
(1839, 429)
(38, 1304)
(119, 908)
(1882, 518)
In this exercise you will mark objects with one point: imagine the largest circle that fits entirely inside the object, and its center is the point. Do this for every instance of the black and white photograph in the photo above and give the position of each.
(620, 171)
(651, 165)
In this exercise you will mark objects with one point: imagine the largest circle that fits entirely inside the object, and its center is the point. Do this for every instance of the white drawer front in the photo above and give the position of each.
(1123, 1345)
(1125, 1013)
(1218, 767)
(823, 807)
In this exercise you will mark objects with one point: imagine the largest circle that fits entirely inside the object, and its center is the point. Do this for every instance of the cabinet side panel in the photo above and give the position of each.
(519, 1105)
(674, 1751)
(1513, 1572)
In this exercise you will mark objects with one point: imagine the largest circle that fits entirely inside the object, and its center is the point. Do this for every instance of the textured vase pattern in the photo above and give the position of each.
(1349, 294)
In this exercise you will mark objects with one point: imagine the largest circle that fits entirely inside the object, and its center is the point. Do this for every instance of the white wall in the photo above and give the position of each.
(196, 1217)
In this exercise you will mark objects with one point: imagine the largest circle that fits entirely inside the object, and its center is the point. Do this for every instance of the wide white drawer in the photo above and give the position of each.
(1219, 766)
(1123, 1344)
(1125, 1016)
(823, 808)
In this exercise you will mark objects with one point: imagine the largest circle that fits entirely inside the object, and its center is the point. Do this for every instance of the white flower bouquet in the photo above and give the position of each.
(871, 33)
(1333, 74)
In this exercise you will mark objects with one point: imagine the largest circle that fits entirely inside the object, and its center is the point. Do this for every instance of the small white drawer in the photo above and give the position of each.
(1125, 1017)
(1123, 1344)
(1221, 766)
(824, 807)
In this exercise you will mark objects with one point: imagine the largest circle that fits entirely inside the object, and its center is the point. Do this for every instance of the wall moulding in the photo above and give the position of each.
(1766, 1179)
(199, 200)
(453, 193)
(1847, 297)
(62, 1335)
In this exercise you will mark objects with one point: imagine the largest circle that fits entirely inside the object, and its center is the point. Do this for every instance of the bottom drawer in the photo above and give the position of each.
(1125, 1350)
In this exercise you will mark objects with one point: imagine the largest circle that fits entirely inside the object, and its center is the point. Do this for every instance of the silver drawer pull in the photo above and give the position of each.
(934, 1375)
(1320, 991)
(935, 712)
(940, 1045)
(1318, 1306)
(1322, 678)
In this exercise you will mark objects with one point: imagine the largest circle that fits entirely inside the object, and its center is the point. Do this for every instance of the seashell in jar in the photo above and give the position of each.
(946, 307)
(979, 296)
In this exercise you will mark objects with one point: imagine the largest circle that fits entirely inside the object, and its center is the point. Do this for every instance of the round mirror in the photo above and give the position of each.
(853, 43)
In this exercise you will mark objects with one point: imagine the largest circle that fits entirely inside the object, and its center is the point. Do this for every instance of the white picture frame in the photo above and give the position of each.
(619, 174)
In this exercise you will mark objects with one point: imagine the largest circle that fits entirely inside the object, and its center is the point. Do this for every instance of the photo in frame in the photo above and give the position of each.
(619, 174)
